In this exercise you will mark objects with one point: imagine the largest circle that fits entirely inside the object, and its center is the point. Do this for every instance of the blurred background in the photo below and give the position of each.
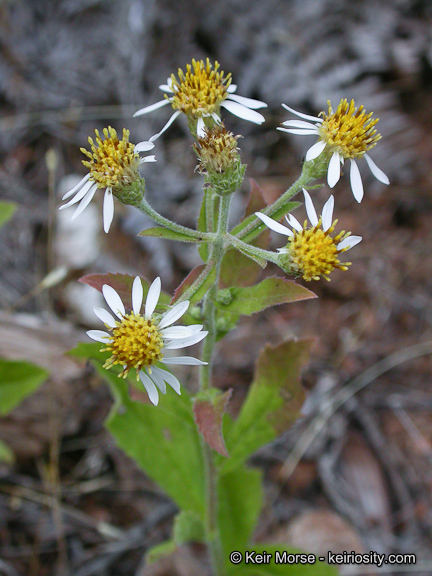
(71, 502)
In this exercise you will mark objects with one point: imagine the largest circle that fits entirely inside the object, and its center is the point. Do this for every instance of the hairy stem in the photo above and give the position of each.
(305, 178)
(145, 207)
(211, 475)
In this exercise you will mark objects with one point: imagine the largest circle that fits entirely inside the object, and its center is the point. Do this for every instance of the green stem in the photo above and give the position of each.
(307, 176)
(145, 207)
(253, 250)
(211, 474)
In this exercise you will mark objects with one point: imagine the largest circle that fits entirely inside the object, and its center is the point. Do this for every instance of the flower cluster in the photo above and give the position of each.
(138, 340)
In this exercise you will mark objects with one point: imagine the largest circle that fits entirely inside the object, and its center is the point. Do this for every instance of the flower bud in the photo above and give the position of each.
(219, 160)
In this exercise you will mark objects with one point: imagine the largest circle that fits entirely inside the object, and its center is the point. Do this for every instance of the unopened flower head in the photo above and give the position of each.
(217, 150)
(139, 340)
(113, 166)
(311, 251)
(200, 93)
(347, 134)
(219, 160)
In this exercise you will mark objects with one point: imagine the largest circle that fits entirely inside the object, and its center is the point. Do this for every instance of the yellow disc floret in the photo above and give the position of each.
(201, 90)
(112, 162)
(349, 130)
(313, 252)
(135, 343)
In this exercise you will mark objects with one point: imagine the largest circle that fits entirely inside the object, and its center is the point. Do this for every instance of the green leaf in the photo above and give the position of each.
(90, 351)
(225, 322)
(209, 410)
(190, 279)
(160, 551)
(18, 380)
(7, 210)
(240, 502)
(188, 527)
(269, 292)
(6, 455)
(279, 564)
(164, 442)
(273, 402)
(165, 233)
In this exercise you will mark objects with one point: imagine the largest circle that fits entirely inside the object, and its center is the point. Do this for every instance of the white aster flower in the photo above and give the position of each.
(200, 93)
(345, 134)
(139, 340)
(311, 251)
(113, 166)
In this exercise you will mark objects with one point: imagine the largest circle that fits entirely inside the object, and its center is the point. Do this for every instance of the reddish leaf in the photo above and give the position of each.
(190, 279)
(208, 417)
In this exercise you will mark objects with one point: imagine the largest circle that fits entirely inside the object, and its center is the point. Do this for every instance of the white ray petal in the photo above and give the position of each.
(99, 336)
(185, 342)
(113, 300)
(292, 221)
(144, 146)
(195, 327)
(169, 378)
(273, 225)
(243, 112)
(300, 124)
(152, 297)
(77, 187)
(356, 181)
(167, 125)
(165, 88)
(315, 150)
(150, 387)
(151, 158)
(184, 361)
(174, 314)
(105, 316)
(137, 295)
(310, 209)
(79, 195)
(200, 127)
(108, 209)
(327, 213)
(377, 172)
(248, 102)
(232, 88)
(158, 380)
(349, 242)
(334, 170)
(152, 107)
(301, 115)
(298, 131)
(173, 332)
(216, 118)
(84, 202)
